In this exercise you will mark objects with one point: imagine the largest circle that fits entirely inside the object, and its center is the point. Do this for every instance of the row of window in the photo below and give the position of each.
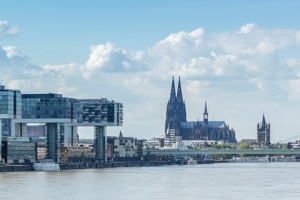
(90, 111)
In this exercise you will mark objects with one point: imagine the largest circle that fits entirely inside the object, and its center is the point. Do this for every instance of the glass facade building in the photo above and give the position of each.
(99, 111)
(48, 106)
(60, 117)
(55, 111)
(10, 108)
(18, 150)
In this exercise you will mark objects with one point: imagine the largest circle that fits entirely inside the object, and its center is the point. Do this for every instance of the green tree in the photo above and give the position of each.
(222, 146)
(243, 146)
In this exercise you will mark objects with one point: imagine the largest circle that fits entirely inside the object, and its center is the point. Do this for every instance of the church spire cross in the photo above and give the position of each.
(176, 111)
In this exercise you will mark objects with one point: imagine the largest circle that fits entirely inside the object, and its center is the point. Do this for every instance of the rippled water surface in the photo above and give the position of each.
(212, 181)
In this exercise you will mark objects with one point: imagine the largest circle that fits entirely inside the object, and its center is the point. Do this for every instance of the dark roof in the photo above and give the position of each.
(210, 124)
(49, 95)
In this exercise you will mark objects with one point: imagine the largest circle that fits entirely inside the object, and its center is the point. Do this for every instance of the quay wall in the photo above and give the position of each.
(15, 168)
(67, 166)
(70, 166)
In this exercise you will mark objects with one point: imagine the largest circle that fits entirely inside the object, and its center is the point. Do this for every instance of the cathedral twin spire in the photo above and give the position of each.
(177, 125)
(179, 92)
(176, 97)
(176, 111)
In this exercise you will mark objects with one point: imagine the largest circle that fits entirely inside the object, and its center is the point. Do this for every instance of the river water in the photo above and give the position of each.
(211, 181)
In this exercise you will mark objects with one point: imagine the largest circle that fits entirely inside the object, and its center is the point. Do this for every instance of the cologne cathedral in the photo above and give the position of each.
(177, 125)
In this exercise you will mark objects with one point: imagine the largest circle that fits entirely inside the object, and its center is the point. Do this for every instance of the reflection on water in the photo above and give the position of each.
(216, 181)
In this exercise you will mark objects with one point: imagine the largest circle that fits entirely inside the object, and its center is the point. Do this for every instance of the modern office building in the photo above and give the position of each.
(124, 148)
(263, 133)
(99, 113)
(53, 111)
(10, 108)
(18, 150)
(176, 124)
(60, 116)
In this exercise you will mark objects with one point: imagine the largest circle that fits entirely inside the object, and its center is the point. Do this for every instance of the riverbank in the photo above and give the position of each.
(15, 168)
(67, 166)
(87, 165)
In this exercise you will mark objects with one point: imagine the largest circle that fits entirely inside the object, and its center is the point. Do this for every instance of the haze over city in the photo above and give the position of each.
(242, 58)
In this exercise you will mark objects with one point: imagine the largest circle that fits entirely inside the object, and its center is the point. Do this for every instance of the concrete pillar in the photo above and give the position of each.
(53, 141)
(100, 142)
(24, 130)
(14, 128)
(18, 129)
(70, 135)
(66, 135)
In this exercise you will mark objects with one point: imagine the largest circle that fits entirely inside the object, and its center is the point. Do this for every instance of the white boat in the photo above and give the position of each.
(249, 160)
(46, 165)
(192, 162)
(262, 159)
(283, 159)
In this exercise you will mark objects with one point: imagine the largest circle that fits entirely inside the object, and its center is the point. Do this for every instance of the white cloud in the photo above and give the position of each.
(241, 74)
(295, 85)
(6, 30)
(67, 90)
(100, 55)
(297, 37)
(292, 62)
(109, 58)
(248, 28)
(11, 51)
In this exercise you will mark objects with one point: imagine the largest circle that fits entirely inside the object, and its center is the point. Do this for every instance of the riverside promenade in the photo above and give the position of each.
(159, 152)
(88, 165)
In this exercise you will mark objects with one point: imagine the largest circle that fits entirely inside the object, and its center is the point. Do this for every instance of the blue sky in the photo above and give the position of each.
(242, 57)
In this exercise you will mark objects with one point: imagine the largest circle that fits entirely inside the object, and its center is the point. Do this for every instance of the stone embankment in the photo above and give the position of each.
(67, 166)
(88, 165)
(15, 168)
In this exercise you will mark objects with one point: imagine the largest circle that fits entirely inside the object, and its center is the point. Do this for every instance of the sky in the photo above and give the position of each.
(241, 57)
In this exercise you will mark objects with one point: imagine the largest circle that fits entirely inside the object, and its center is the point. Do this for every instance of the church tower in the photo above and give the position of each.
(263, 132)
(181, 111)
(177, 127)
(205, 114)
(171, 108)
(176, 111)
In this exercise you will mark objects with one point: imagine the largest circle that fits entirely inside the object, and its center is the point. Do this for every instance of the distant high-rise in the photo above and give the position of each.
(263, 132)
(10, 109)
(176, 123)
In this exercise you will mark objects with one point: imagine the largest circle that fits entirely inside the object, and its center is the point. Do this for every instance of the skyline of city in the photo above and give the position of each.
(243, 66)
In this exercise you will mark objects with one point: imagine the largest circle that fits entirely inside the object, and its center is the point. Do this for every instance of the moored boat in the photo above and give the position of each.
(249, 160)
(282, 159)
(262, 159)
(46, 165)
(192, 162)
